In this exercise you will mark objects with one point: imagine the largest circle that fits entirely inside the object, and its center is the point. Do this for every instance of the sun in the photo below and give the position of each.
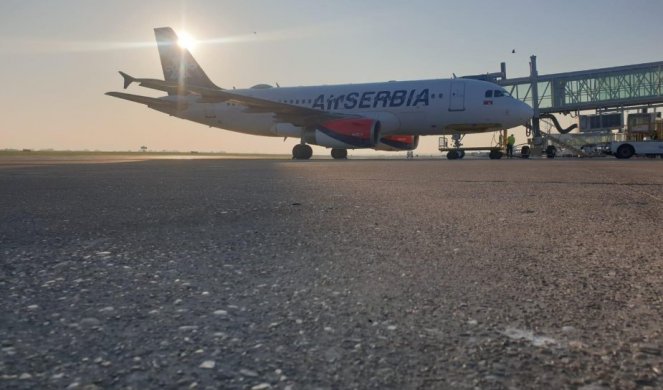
(186, 40)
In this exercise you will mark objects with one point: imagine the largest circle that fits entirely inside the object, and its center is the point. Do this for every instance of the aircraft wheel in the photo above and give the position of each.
(297, 152)
(551, 151)
(495, 154)
(524, 152)
(452, 155)
(302, 152)
(461, 153)
(308, 152)
(339, 154)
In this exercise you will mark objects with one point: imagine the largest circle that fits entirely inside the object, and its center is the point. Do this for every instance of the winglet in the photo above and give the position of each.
(127, 79)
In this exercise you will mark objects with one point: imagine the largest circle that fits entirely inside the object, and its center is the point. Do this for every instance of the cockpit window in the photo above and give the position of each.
(501, 93)
(489, 94)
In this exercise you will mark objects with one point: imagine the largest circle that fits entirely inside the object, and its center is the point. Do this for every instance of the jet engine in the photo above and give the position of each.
(354, 133)
(394, 143)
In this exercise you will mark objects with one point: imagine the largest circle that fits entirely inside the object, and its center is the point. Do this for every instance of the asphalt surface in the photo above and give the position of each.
(238, 274)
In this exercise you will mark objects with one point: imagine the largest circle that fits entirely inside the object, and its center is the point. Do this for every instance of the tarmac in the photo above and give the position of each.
(258, 274)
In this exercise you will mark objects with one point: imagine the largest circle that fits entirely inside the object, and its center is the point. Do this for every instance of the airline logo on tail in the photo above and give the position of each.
(187, 72)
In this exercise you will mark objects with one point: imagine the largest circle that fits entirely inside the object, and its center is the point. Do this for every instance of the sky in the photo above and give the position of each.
(60, 57)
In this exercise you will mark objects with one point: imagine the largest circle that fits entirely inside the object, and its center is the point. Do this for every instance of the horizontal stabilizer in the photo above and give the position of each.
(127, 79)
(161, 85)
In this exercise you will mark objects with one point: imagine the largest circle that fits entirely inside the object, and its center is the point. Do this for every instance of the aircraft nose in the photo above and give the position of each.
(525, 112)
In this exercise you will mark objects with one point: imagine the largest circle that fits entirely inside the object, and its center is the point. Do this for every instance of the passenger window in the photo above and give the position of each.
(489, 94)
(498, 93)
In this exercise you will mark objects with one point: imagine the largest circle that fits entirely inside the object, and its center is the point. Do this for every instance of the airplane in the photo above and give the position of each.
(388, 116)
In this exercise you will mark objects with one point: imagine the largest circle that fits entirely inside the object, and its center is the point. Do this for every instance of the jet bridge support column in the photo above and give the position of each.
(537, 139)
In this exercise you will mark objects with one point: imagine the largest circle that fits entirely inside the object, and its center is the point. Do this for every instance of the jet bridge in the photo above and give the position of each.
(616, 88)
(595, 89)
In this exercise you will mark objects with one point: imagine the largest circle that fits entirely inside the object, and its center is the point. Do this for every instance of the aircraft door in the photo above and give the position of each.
(457, 96)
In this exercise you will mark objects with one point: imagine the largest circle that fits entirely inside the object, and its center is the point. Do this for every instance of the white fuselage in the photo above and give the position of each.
(426, 107)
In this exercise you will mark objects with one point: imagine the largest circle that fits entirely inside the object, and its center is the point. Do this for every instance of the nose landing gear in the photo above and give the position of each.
(457, 152)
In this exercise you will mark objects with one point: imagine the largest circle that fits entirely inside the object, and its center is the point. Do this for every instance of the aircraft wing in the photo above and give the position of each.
(298, 116)
(157, 104)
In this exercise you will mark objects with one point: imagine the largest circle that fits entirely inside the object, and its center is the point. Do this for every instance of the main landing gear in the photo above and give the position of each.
(302, 152)
(339, 154)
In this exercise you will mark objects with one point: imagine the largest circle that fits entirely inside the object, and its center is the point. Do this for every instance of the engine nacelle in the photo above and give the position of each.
(345, 134)
(394, 143)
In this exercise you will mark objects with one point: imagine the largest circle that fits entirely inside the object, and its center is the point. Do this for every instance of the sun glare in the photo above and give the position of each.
(185, 40)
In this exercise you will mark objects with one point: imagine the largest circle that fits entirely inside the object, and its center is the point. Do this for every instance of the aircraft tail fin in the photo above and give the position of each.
(177, 62)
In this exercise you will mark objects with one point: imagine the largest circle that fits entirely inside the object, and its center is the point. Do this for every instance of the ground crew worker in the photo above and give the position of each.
(510, 141)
